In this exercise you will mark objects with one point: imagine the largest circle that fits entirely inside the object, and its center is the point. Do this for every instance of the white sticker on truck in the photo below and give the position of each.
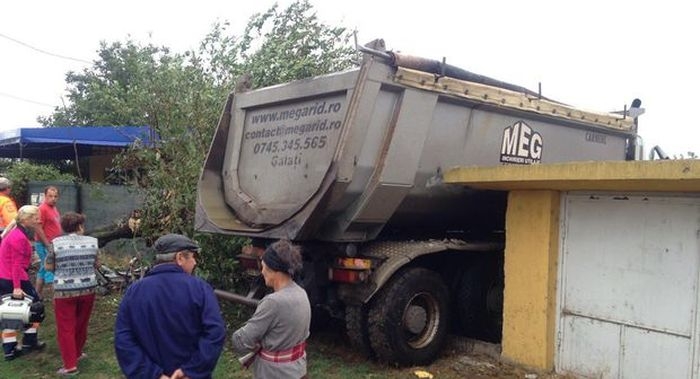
(286, 150)
(521, 144)
(282, 135)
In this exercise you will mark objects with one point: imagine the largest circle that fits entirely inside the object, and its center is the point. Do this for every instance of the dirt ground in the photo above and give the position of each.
(462, 358)
(466, 358)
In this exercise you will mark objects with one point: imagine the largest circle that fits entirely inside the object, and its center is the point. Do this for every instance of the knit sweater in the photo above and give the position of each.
(75, 265)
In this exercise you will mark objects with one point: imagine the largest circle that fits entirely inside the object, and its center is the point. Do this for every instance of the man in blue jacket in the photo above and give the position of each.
(169, 324)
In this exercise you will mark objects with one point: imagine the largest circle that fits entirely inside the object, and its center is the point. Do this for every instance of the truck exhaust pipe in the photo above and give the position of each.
(377, 48)
(235, 298)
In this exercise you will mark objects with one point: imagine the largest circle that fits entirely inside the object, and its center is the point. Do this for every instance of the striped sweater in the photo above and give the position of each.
(75, 265)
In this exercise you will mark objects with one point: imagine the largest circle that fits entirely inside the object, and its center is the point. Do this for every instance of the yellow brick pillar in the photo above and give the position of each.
(532, 243)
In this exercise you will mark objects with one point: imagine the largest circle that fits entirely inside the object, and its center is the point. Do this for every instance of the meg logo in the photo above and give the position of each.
(521, 144)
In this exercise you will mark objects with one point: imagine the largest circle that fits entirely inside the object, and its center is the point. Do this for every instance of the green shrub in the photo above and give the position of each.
(21, 173)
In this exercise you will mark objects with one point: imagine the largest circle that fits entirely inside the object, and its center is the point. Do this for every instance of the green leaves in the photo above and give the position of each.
(22, 172)
(281, 46)
(180, 96)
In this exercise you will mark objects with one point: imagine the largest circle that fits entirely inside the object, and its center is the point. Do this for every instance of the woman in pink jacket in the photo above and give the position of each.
(15, 258)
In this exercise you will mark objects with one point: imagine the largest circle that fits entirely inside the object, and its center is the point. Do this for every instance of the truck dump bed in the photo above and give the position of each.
(346, 156)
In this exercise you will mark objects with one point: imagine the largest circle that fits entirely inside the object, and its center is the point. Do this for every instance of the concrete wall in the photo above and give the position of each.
(102, 204)
(529, 309)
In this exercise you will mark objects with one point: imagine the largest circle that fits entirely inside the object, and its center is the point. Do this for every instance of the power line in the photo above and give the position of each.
(25, 100)
(43, 51)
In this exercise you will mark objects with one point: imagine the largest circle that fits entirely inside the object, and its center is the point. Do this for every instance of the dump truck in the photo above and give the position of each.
(349, 166)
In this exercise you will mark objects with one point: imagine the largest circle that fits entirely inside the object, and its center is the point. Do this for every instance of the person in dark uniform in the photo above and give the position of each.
(169, 323)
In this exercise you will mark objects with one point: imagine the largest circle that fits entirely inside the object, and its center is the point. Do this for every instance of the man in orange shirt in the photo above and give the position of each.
(8, 208)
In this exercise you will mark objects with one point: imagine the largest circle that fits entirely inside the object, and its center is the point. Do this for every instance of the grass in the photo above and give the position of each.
(328, 353)
(101, 362)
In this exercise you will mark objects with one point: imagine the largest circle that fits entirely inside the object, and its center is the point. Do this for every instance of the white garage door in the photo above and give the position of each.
(628, 286)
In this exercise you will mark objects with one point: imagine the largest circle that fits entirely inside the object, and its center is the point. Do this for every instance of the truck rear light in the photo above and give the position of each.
(336, 274)
(250, 258)
(249, 263)
(356, 263)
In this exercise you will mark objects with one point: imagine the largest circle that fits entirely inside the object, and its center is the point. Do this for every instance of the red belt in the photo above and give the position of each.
(289, 355)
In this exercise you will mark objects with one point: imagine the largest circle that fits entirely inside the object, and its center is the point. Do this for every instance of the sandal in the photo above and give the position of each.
(63, 372)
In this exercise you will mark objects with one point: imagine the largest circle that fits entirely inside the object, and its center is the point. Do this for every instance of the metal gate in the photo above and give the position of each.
(628, 284)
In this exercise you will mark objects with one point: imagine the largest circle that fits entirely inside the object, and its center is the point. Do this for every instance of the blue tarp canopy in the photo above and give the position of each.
(70, 142)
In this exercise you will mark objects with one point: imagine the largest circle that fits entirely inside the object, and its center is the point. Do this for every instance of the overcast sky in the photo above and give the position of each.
(596, 55)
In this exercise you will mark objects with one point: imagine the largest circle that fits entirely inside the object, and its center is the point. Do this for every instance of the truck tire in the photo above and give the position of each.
(409, 318)
(356, 329)
(479, 302)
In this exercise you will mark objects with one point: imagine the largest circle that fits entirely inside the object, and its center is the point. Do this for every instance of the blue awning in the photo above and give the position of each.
(71, 141)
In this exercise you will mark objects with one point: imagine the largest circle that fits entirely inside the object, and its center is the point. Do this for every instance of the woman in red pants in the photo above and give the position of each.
(74, 289)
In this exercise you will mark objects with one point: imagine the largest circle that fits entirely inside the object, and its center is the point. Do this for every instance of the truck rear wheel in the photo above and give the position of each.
(356, 329)
(479, 301)
(408, 320)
